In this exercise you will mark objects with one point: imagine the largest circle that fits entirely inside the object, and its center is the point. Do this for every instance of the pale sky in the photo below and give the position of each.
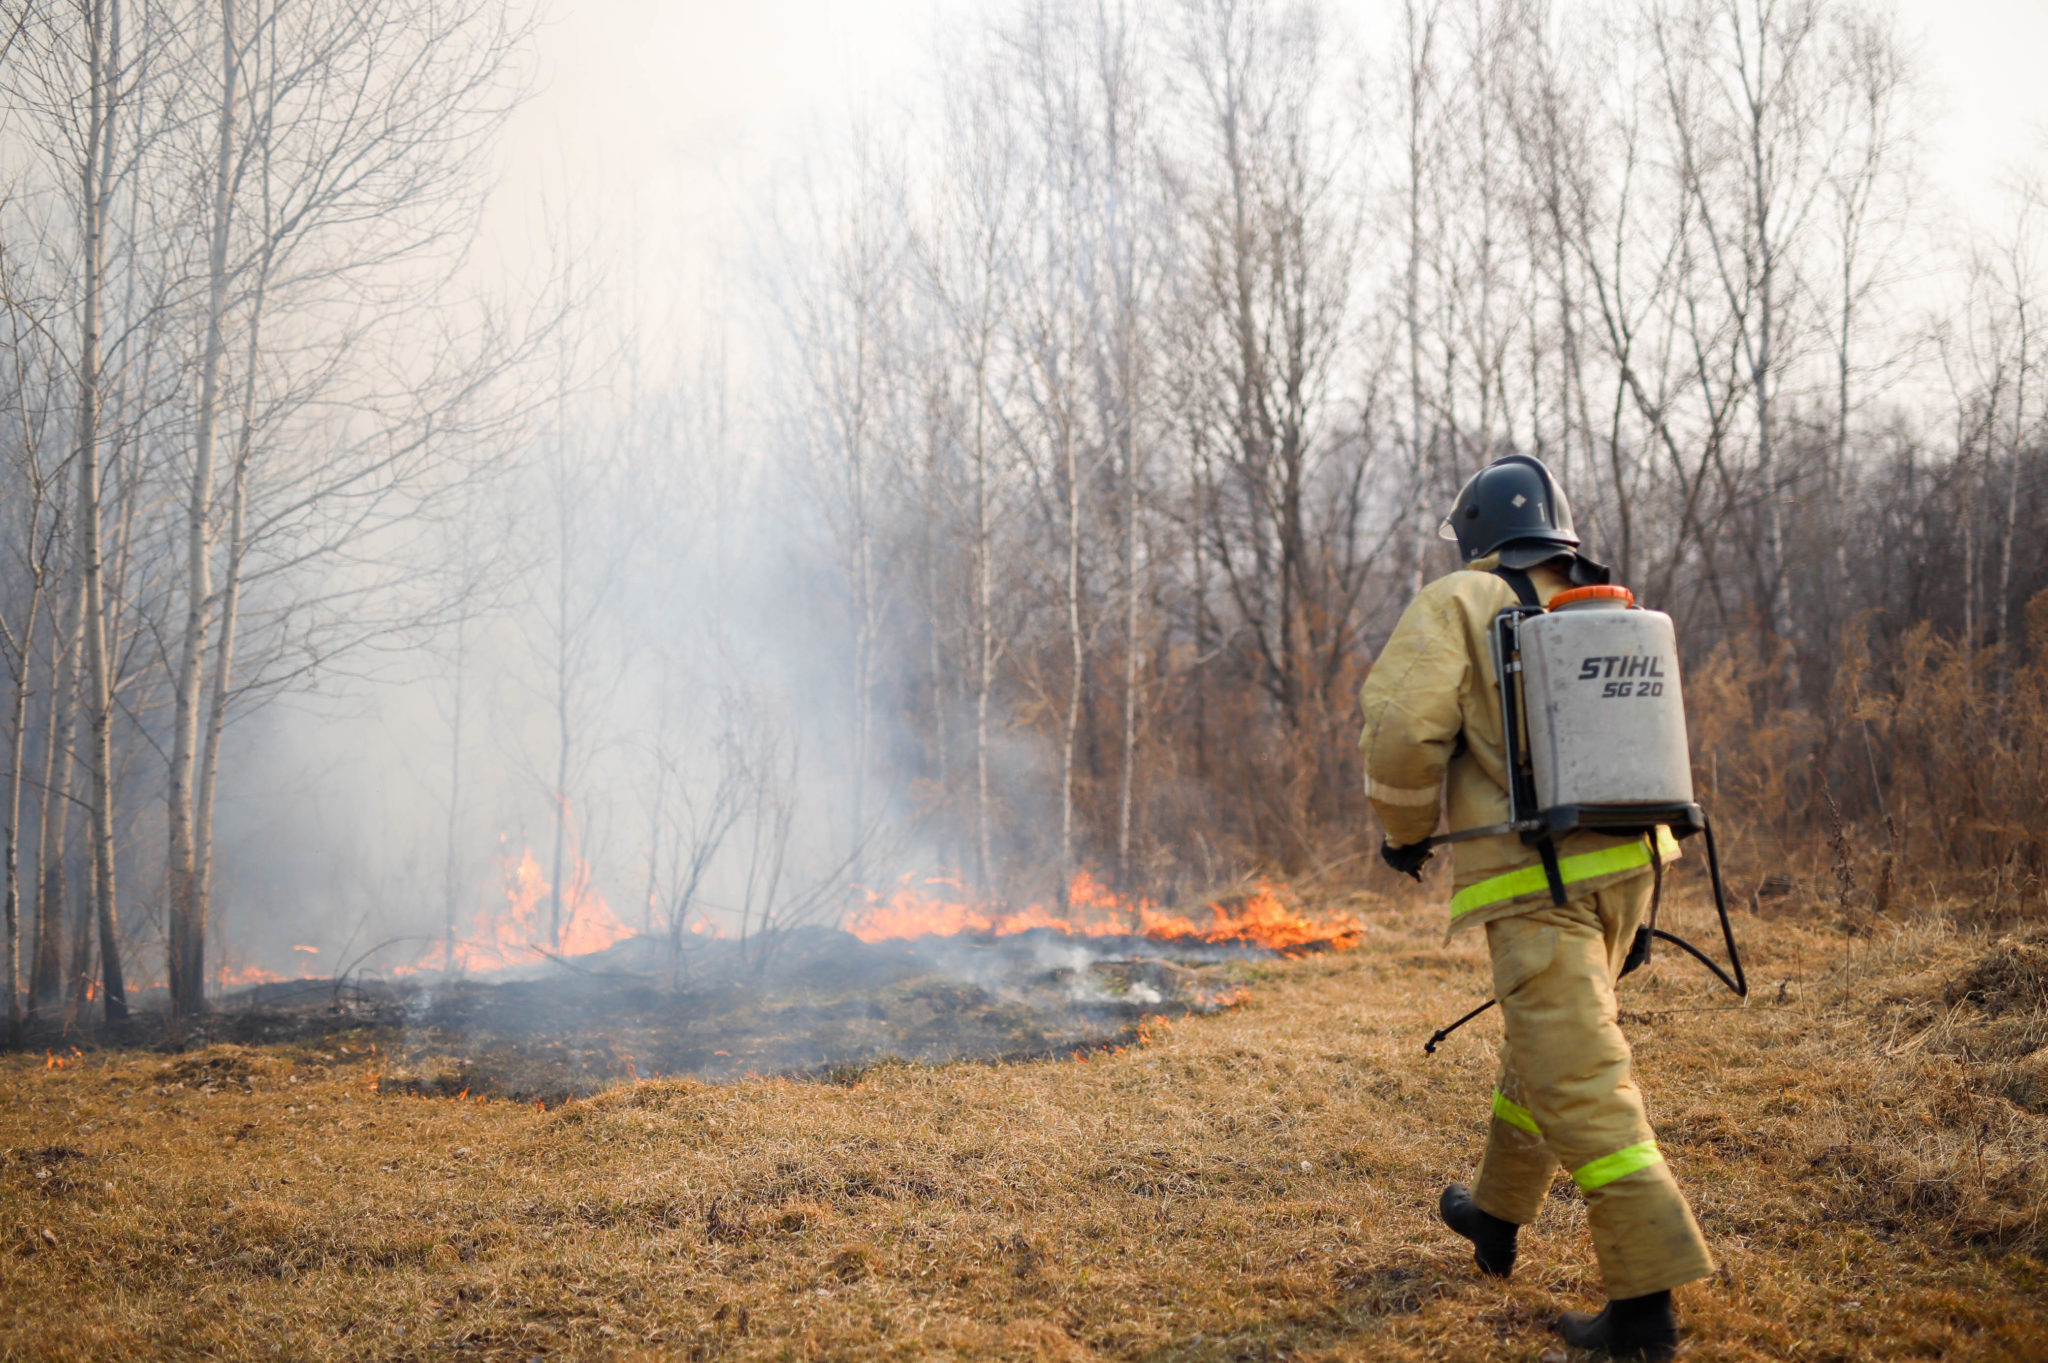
(671, 112)
(1988, 62)
(660, 117)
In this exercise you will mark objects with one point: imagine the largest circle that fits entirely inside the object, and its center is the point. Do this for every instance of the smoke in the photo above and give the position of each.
(922, 466)
(658, 659)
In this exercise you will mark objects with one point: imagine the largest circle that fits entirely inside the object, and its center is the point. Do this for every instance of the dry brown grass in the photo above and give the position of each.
(1256, 1184)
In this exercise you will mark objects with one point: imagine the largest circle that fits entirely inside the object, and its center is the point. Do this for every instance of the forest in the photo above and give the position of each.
(1029, 503)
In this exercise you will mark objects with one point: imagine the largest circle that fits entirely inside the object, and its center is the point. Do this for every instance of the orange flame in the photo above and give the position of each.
(941, 906)
(250, 974)
(515, 929)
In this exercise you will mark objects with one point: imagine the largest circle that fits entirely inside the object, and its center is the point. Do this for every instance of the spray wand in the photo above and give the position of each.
(1639, 950)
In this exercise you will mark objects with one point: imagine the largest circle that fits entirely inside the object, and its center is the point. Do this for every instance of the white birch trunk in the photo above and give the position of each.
(103, 45)
(187, 907)
(1076, 658)
(451, 870)
(54, 805)
(17, 730)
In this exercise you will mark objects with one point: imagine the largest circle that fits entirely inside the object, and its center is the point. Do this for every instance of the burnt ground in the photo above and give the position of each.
(821, 1004)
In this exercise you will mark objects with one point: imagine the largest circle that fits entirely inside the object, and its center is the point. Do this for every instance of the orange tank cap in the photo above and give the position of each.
(1573, 595)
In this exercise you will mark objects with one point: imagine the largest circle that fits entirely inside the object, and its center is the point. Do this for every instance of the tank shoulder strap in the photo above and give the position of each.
(1525, 587)
(1546, 847)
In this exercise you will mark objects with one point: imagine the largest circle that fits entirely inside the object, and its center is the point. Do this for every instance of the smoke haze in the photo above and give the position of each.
(751, 455)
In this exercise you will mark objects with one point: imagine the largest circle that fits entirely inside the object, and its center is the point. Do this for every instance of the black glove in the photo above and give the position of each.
(1638, 952)
(1408, 860)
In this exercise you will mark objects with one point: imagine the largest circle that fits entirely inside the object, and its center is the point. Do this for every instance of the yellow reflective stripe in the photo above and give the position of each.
(1623, 1162)
(1413, 796)
(1514, 1114)
(1582, 866)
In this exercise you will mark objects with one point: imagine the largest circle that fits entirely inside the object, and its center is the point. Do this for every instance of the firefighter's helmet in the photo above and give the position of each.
(1513, 506)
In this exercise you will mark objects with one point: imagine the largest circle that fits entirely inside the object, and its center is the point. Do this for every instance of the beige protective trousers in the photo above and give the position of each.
(1566, 1096)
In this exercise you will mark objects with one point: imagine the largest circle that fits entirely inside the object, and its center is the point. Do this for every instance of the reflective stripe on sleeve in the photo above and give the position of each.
(1623, 1162)
(1581, 866)
(1400, 795)
(1514, 1114)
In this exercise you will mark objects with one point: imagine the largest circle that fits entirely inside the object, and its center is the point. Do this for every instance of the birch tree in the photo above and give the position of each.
(73, 82)
(340, 177)
(841, 324)
(35, 525)
(964, 251)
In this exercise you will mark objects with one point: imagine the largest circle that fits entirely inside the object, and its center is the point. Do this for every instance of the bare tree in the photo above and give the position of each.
(1278, 233)
(187, 909)
(31, 500)
(2019, 279)
(105, 79)
(1051, 275)
(1748, 83)
(47, 979)
(329, 165)
(964, 254)
(841, 327)
(1132, 252)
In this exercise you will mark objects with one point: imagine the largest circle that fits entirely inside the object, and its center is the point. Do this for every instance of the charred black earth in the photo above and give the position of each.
(820, 1004)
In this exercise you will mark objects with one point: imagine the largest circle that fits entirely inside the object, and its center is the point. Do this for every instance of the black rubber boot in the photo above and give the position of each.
(1633, 1327)
(1493, 1240)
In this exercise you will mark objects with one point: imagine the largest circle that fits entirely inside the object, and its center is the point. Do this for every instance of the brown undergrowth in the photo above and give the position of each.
(1860, 1143)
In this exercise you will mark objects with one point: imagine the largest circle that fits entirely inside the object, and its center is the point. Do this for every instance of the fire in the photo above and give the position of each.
(513, 928)
(244, 976)
(942, 906)
(250, 974)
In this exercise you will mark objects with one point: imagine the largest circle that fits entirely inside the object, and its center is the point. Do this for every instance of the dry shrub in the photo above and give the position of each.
(1998, 1019)
(1969, 1172)
(2012, 975)
(1936, 1184)
(1963, 738)
(1753, 766)
(1925, 763)
(1750, 755)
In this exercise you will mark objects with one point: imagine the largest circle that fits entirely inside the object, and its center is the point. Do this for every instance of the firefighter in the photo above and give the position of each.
(1565, 1095)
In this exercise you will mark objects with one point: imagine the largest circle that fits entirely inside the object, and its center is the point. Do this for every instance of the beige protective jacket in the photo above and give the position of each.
(1433, 682)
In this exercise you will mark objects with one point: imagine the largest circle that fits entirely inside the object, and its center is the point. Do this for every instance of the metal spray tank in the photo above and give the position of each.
(1606, 718)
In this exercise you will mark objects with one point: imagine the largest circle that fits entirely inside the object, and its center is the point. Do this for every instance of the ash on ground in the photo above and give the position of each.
(823, 1004)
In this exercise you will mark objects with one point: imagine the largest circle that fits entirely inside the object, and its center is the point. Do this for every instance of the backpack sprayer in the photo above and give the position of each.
(1595, 730)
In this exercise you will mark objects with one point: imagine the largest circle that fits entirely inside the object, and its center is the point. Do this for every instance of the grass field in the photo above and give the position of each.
(1866, 1145)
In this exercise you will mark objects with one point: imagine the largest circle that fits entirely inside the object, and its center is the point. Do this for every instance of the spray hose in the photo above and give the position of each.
(1639, 950)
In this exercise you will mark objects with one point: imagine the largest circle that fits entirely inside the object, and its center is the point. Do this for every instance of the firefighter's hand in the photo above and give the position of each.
(1408, 860)
(1638, 952)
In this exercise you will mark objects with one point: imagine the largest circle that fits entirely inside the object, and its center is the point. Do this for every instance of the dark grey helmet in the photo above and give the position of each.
(1515, 506)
